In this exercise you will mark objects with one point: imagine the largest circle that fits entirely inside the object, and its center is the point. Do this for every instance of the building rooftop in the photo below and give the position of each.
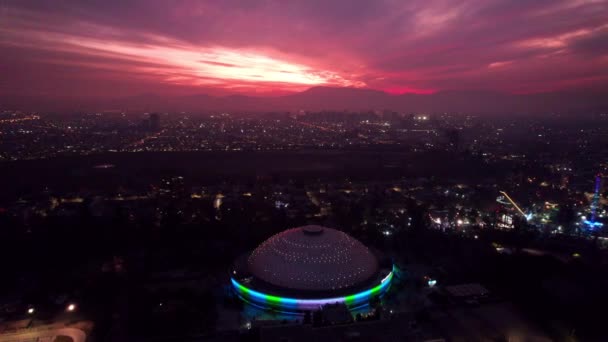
(312, 258)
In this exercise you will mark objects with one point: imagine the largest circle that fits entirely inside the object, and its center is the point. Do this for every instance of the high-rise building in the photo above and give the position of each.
(154, 122)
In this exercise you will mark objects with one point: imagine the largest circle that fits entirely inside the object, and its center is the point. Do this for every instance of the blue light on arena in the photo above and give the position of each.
(290, 304)
(595, 224)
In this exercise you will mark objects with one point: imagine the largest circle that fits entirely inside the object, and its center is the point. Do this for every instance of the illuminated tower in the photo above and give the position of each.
(591, 223)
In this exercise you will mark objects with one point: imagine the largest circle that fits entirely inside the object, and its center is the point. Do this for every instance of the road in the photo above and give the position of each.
(43, 335)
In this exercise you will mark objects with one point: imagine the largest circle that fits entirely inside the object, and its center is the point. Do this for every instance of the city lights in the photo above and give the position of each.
(303, 170)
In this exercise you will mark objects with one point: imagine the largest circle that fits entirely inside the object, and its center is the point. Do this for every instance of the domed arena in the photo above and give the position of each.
(307, 267)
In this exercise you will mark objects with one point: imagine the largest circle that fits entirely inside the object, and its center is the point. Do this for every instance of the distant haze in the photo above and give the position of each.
(323, 98)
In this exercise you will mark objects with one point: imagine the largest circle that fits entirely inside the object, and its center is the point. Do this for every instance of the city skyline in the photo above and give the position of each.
(304, 170)
(108, 50)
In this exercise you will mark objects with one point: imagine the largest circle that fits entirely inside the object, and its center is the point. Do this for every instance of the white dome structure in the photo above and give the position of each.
(307, 267)
(312, 258)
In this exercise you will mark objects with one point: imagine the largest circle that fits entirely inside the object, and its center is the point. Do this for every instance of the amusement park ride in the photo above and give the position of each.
(590, 222)
(526, 216)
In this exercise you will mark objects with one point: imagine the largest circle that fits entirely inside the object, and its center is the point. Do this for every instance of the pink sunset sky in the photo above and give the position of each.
(115, 48)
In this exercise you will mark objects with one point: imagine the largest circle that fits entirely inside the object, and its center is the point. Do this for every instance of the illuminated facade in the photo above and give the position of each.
(591, 222)
(307, 267)
(294, 304)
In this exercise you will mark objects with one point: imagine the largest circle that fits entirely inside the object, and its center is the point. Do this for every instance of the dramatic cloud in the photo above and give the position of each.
(90, 48)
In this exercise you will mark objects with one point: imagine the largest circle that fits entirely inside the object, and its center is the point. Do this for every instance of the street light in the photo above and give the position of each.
(31, 311)
(71, 307)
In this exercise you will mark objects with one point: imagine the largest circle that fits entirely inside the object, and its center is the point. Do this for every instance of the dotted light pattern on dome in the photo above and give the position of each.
(294, 304)
(326, 259)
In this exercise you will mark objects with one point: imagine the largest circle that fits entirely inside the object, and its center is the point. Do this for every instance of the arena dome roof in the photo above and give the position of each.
(312, 258)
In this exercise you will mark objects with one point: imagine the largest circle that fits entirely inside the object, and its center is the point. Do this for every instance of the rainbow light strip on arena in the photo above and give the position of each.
(310, 304)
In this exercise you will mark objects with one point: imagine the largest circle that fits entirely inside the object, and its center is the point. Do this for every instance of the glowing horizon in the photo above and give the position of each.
(186, 64)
